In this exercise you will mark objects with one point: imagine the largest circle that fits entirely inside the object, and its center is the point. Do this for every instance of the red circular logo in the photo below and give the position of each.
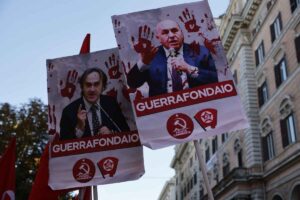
(180, 126)
(84, 170)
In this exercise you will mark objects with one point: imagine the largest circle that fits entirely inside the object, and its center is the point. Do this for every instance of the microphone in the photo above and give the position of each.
(110, 119)
(173, 54)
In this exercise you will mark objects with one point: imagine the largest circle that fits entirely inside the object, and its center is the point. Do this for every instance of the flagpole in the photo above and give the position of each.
(95, 192)
(203, 170)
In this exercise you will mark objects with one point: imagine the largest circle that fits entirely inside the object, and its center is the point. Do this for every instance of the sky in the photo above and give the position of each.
(33, 31)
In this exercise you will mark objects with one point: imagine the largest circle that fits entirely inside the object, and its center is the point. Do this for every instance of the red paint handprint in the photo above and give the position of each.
(113, 67)
(144, 46)
(189, 21)
(52, 120)
(70, 86)
(210, 44)
(144, 41)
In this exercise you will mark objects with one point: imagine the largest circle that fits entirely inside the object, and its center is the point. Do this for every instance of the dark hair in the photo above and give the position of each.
(102, 76)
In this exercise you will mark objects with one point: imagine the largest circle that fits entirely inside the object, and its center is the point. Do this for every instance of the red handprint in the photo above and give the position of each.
(189, 21)
(144, 42)
(210, 44)
(52, 120)
(113, 67)
(69, 89)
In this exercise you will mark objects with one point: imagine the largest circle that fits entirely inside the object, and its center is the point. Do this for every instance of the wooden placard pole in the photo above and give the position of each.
(203, 170)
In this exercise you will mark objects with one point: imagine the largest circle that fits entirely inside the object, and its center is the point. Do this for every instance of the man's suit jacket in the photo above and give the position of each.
(68, 120)
(156, 75)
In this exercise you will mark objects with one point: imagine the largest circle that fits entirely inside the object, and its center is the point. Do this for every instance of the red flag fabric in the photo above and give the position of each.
(85, 48)
(40, 189)
(8, 173)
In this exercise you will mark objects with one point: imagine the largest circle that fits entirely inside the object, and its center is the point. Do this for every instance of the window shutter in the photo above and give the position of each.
(284, 133)
(293, 5)
(277, 74)
(280, 21)
(260, 97)
(263, 48)
(272, 32)
(256, 58)
(265, 148)
(297, 43)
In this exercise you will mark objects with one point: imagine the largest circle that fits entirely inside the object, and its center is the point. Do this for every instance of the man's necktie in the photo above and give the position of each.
(95, 119)
(176, 75)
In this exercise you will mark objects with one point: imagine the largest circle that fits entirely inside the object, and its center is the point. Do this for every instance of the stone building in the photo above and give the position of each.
(262, 43)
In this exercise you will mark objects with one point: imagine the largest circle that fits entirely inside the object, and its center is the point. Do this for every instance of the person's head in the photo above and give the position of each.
(169, 34)
(92, 82)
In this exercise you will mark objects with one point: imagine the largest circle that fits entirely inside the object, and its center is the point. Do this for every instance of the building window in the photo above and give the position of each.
(297, 44)
(276, 28)
(240, 158)
(226, 166)
(214, 144)
(262, 94)
(288, 130)
(207, 155)
(268, 147)
(280, 72)
(181, 176)
(259, 54)
(294, 4)
(224, 137)
(201, 192)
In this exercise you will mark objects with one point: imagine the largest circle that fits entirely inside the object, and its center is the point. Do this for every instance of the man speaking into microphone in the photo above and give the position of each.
(93, 113)
(174, 65)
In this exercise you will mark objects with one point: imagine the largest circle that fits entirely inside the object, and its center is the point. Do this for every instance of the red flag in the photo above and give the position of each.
(7, 172)
(85, 47)
(40, 188)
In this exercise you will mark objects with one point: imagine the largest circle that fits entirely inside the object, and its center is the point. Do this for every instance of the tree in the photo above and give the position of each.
(29, 124)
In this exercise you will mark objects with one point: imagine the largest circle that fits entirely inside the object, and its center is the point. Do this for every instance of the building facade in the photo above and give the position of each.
(261, 39)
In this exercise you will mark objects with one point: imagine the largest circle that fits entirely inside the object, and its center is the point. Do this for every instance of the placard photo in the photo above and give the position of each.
(89, 108)
(175, 63)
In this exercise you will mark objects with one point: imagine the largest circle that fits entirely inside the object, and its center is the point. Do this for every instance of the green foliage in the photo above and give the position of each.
(29, 124)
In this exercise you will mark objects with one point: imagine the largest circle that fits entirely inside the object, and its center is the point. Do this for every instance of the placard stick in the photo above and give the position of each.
(203, 170)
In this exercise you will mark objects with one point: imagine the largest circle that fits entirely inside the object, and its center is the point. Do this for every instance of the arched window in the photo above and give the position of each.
(277, 197)
(287, 122)
(296, 193)
(267, 138)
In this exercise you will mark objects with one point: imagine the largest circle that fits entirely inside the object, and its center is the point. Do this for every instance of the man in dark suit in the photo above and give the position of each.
(174, 65)
(92, 113)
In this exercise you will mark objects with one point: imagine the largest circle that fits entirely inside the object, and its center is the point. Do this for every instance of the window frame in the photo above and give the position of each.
(263, 94)
(281, 72)
(268, 147)
(288, 130)
(276, 28)
(260, 54)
